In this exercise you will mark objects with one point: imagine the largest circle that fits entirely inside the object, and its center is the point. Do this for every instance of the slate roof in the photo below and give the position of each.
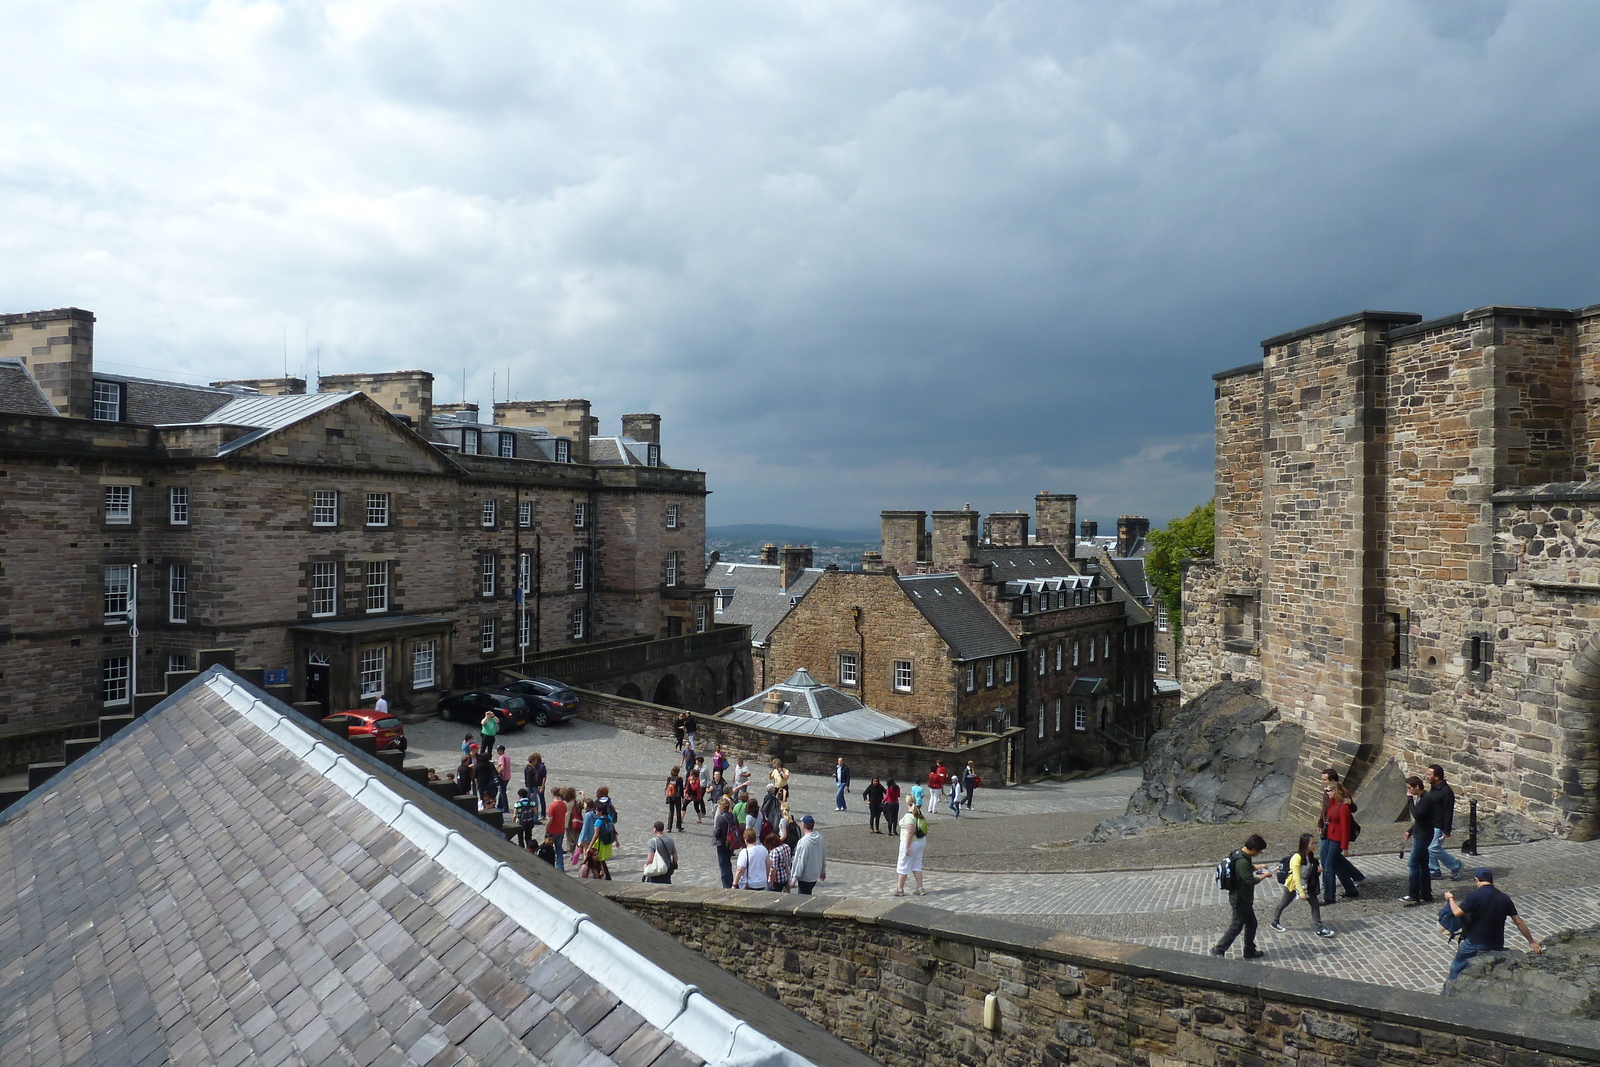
(1024, 561)
(1131, 571)
(959, 616)
(225, 882)
(809, 707)
(19, 393)
(758, 600)
(147, 402)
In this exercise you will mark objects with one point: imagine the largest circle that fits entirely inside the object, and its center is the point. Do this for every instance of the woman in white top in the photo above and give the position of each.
(913, 840)
(751, 873)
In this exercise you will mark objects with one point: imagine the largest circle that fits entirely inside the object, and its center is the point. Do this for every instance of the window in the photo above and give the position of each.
(724, 597)
(178, 593)
(1041, 722)
(563, 451)
(324, 588)
(373, 661)
(1041, 663)
(486, 633)
(580, 622)
(470, 441)
(580, 568)
(1161, 662)
(377, 509)
(118, 583)
(672, 516)
(902, 675)
(119, 505)
(849, 669)
(490, 512)
(377, 585)
(525, 571)
(1091, 650)
(524, 629)
(700, 617)
(1058, 715)
(1161, 619)
(972, 678)
(1077, 651)
(988, 675)
(508, 446)
(325, 507)
(525, 513)
(580, 515)
(1008, 670)
(672, 568)
(488, 572)
(108, 401)
(652, 455)
(177, 661)
(114, 680)
(1058, 657)
(178, 505)
(1027, 605)
(423, 655)
(1080, 717)
(1105, 647)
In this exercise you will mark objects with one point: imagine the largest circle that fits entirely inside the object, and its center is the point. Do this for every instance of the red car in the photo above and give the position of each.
(364, 722)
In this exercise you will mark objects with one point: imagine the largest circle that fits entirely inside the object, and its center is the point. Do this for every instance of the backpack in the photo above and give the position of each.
(1355, 829)
(1283, 870)
(1227, 878)
(791, 836)
(920, 827)
(672, 789)
(526, 812)
(605, 832)
(734, 840)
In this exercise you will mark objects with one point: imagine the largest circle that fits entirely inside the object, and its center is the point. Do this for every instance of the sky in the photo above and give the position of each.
(857, 255)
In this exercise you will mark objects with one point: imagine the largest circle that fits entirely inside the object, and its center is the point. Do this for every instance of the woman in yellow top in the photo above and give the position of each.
(1303, 882)
(778, 778)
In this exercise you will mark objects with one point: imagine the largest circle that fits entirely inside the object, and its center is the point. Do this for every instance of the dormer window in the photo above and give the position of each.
(469, 442)
(563, 451)
(508, 446)
(108, 402)
(652, 455)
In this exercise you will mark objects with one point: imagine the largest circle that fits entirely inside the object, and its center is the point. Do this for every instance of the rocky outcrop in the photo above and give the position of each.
(1565, 980)
(1225, 757)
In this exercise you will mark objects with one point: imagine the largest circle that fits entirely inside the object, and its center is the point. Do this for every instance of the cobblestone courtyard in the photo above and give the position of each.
(1001, 873)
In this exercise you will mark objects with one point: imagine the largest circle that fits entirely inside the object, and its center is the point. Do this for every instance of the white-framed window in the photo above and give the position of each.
(178, 505)
(114, 680)
(178, 593)
(491, 512)
(580, 568)
(652, 455)
(580, 515)
(1161, 662)
(508, 446)
(1077, 650)
(1080, 717)
(672, 516)
(1008, 670)
(377, 585)
(1041, 722)
(972, 678)
(672, 568)
(525, 571)
(1105, 648)
(118, 585)
(725, 597)
(325, 507)
(486, 633)
(471, 441)
(902, 676)
(563, 450)
(488, 572)
(424, 655)
(580, 622)
(524, 513)
(1058, 715)
(324, 589)
(1041, 663)
(524, 629)
(107, 402)
(988, 674)
(373, 662)
(377, 509)
(1161, 619)
(119, 505)
(177, 661)
(1091, 650)
(849, 669)
(1027, 605)
(1058, 657)
(700, 617)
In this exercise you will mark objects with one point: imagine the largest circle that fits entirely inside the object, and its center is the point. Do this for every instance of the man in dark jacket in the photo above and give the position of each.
(1423, 805)
(1242, 898)
(1444, 817)
(841, 782)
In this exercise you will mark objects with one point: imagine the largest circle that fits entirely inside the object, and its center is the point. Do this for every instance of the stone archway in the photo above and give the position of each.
(736, 690)
(1578, 767)
(669, 692)
(630, 691)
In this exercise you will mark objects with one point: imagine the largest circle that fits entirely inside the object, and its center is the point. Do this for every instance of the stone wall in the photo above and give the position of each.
(907, 985)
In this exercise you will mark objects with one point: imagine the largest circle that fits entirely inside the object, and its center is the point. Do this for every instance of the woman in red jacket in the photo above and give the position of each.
(1338, 833)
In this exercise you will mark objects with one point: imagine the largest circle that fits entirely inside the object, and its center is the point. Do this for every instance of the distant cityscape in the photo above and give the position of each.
(742, 543)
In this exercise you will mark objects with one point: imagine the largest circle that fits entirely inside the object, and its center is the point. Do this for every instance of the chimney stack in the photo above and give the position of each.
(463, 412)
(57, 347)
(796, 558)
(904, 535)
(1009, 529)
(1130, 531)
(955, 538)
(642, 427)
(1056, 519)
(402, 392)
(769, 554)
(1090, 528)
(871, 562)
(562, 418)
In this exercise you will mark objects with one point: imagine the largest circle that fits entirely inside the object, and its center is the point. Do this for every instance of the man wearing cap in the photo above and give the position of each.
(810, 858)
(1481, 919)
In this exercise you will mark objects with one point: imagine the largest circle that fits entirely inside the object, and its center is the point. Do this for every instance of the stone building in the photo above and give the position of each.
(759, 595)
(354, 540)
(1408, 521)
(963, 636)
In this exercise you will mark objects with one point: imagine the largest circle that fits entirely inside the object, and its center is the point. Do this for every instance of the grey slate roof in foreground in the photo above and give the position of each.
(153, 403)
(224, 883)
(959, 616)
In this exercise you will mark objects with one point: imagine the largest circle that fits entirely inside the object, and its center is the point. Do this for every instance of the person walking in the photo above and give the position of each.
(810, 858)
(728, 836)
(778, 861)
(680, 726)
(533, 779)
(1480, 919)
(1419, 886)
(660, 856)
(527, 813)
(717, 790)
(913, 842)
(696, 788)
(1444, 817)
(1242, 898)
(955, 796)
(1338, 830)
(841, 781)
(556, 827)
(936, 780)
(674, 797)
(1302, 882)
(741, 773)
(574, 821)
(873, 795)
(502, 766)
(969, 783)
(891, 806)
(751, 872)
(488, 729)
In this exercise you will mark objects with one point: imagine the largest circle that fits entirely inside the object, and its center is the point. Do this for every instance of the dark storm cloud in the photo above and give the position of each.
(859, 256)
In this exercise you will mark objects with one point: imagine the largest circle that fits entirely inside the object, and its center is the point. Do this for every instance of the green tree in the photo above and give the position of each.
(1191, 537)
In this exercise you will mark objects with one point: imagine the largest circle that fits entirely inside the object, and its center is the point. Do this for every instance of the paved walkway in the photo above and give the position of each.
(1556, 883)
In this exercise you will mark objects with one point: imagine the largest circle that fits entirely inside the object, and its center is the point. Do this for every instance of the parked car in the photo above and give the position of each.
(552, 701)
(510, 708)
(364, 722)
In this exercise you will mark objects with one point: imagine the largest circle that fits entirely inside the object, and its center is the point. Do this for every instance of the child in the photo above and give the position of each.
(547, 849)
(527, 815)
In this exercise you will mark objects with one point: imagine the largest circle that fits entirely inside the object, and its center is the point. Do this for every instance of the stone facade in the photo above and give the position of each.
(912, 985)
(1397, 555)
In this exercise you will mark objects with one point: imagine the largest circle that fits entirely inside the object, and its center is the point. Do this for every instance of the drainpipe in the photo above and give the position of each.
(861, 641)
